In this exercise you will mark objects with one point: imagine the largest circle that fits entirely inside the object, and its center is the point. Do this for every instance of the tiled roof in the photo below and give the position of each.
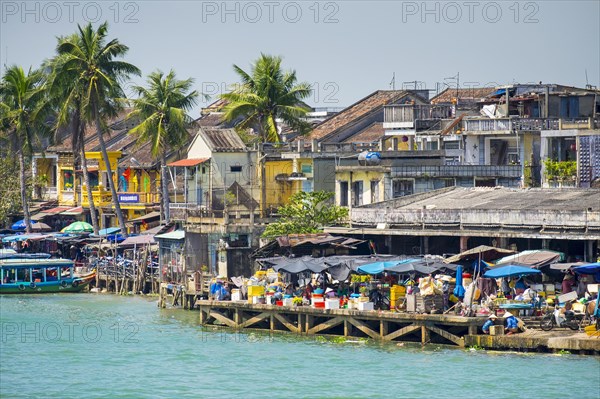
(370, 134)
(365, 106)
(471, 94)
(212, 119)
(223, 140)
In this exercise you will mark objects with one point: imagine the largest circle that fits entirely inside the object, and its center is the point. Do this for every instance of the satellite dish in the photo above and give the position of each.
(369, 158)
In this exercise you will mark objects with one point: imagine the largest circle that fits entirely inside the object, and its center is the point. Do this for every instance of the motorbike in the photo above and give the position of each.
(555, 318)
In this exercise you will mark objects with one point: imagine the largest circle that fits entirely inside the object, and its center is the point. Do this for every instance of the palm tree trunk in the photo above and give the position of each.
(26, 216)
(164, 184)
(79, 145)
(111, 183)
(86, 181)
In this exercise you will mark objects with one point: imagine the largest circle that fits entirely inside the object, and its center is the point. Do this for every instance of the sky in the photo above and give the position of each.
(345, 49)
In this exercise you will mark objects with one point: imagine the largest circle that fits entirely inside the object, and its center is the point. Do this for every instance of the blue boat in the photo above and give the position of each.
(37, 276)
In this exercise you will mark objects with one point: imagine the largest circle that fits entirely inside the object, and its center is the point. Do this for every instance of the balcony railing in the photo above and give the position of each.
(528, 124)
(448, 171)
(349, 147)
(103, 197)
(404, 116)
(486, 125)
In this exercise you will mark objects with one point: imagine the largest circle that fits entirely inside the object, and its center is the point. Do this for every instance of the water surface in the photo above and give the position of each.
(104, 346)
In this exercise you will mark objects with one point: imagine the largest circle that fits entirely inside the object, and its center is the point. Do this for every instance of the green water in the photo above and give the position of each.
(102, 346)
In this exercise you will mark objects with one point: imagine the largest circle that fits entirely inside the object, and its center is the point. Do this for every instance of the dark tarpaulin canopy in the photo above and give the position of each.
(532, 258)
(296, 265)
(412, 267)
(565, 266)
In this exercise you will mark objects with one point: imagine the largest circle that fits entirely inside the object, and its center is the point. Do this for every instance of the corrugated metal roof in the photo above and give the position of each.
(223, 140)
(174, 235)
(188, 162)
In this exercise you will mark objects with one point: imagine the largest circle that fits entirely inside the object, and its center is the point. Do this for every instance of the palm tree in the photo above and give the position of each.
(265, 95)
(92, 60)
(23, 112)
(62, 91)
(161, 109)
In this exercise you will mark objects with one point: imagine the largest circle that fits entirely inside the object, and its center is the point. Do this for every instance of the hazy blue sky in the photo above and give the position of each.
(347, 49)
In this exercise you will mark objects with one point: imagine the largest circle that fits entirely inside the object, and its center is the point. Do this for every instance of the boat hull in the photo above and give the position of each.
(44, 288)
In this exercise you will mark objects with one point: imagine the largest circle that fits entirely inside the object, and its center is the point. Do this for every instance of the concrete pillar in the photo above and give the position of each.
(502, 242)
(588, 255)
(545, 243)
(388, 243)
(464, 243)
(425, 245)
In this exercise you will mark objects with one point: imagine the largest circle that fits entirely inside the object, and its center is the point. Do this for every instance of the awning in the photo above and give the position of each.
(533, 258)
(188, 162)
(138, 240)
(484, 252)
(58, 209)
(174, 235)
(146, 217)
(78, 210)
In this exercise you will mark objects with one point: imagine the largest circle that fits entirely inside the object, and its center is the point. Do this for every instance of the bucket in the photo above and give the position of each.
(279, 303)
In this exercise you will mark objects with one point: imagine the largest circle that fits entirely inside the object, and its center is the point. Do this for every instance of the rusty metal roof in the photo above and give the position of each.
(222, 140)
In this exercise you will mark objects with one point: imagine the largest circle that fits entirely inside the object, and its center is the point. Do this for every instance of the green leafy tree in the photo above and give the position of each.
(23, 116)
(64, 93)
(10, 199)
(93, 61)
(265, 95)
(162, 109)
(306, 213)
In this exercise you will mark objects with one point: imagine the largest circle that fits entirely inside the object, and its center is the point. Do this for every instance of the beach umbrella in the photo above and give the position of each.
(20, 225)
(78, 227)
(459, 290)
(510, 271)
(592, 268)
(40, 226)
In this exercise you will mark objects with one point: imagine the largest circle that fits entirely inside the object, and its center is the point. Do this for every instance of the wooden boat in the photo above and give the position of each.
(37, 276)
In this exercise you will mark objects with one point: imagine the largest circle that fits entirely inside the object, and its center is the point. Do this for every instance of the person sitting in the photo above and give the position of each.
(215, 288)
(488, 323)
(512, 324)
(308, 290)
(224, 293)
(520, 286)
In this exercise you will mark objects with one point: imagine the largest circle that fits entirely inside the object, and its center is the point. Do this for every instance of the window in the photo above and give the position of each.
(357, 193)
(402, 188)
(235, 168)
(374, 191)
(452, 145)
(306, 168)
(431, 145)
(307, 186)
(343, 193)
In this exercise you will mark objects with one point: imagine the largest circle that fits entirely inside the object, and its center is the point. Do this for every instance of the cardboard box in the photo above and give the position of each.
(366, 306)
(256, 290)
(288, 301)
(236, 296)
(332, 303)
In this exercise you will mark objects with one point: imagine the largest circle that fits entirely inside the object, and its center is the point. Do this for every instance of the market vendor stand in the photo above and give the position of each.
(305, 320)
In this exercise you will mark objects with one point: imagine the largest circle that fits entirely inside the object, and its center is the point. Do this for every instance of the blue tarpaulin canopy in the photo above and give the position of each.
(510, 271)
(380, 267)
(20, 225)
(459, 290)
(592, 268)
(105, 232)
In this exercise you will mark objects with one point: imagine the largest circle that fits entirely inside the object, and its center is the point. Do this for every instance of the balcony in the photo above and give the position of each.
(528, 124)
(413, 116)
(487, 125)
(451, 171)
(104, 198)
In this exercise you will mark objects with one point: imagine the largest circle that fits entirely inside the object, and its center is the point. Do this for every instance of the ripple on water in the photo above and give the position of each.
(143, 351)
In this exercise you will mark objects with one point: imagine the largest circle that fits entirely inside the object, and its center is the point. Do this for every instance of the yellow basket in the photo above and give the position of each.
(256, 290)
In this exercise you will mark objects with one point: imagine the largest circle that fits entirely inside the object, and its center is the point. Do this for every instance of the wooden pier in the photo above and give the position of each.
(305, 320)
(532, 340)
